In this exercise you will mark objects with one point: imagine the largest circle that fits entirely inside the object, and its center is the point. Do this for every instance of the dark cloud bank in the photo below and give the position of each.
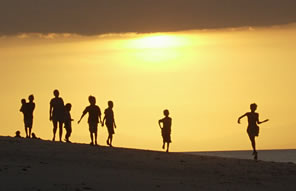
(92, 17)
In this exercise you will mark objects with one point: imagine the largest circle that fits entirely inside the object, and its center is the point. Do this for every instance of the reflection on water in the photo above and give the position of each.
(265, 155)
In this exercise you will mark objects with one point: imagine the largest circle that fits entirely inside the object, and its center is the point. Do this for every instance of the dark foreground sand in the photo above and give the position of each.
(43, 165)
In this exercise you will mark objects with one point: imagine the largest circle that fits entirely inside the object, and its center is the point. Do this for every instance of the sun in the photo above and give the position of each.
(156, 42)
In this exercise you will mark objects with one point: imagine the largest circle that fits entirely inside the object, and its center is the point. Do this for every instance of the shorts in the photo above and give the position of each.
(110, 129)
(93, 127)
(58, 118)
(28, 122)
(253, 131)
(166, 135)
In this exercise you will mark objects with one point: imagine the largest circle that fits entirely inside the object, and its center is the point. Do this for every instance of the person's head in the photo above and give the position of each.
(166, 112)
(92, 100)
(68, 107)
(56, 93)
(253, 107)
(110, 104)
(18, 134)
(34, 136)
(23, 101)
(31, 98)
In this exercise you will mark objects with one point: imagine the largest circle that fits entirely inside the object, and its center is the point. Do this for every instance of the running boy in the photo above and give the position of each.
(253, 128)
(166, 129)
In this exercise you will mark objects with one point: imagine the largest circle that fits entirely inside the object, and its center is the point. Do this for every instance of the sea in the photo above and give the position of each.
(287, 156)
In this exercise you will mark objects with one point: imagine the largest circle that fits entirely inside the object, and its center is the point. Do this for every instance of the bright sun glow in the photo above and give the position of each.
(156, 42)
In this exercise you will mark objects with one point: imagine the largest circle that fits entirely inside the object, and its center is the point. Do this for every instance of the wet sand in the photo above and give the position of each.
(43, 165)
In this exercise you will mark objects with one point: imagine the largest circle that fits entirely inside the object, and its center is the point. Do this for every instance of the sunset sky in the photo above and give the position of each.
(205, 67)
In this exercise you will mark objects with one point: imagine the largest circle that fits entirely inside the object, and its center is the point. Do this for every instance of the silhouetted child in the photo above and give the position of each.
(166, 129)
(17, 134)
(110, 122)
(67, 122)
(30, 109)
(57, 113)
(34, 136)
(94, 117)
(253, 128)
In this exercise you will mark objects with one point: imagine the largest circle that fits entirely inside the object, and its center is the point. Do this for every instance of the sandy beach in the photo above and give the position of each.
(43, 165)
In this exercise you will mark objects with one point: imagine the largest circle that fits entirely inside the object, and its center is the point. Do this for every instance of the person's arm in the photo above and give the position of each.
(50, 112)
(238, 121)
(83, 114)
(100, 119)
(114, 122)
(159, 122)
(259, 122)
(103, 122)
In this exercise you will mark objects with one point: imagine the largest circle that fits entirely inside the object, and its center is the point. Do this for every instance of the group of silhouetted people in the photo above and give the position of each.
(60, 115)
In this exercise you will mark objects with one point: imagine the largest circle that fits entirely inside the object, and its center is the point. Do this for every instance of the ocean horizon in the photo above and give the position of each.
(277, 155)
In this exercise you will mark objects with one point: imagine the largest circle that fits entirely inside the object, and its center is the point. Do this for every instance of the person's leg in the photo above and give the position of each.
(91, 138)
(26, 123)
(55, 126)
(96, 133)
(252, 138)
(26, 130)
(107, 141)
(61, 130)
(69, 133)
(110, 140)
(168, 146)
(91, 133)
(96, 137)
(30, 127)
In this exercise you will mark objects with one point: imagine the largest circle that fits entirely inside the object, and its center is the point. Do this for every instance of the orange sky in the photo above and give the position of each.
(207, 79)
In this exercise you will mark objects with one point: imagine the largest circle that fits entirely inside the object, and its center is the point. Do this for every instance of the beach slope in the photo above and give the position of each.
(43, 165)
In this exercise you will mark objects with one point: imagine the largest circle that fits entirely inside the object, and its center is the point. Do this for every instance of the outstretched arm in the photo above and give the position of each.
(238, 121)
(259, 122)
(83, 114)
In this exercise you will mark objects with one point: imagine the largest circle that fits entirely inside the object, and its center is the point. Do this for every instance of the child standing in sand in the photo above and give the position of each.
(94, 117)
(67, 122)
(253, 128)
(110, 122)
(166, 129)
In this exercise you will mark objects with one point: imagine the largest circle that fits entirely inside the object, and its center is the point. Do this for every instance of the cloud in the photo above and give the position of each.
(95, 17)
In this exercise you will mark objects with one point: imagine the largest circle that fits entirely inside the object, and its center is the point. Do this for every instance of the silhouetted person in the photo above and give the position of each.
(68, 122)
(17, 134)
(24, 109)
(253, 128)
(166, 129)
(57, 113)
(34, 136)
(27, 109)
(110, 122)
(94, 117)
